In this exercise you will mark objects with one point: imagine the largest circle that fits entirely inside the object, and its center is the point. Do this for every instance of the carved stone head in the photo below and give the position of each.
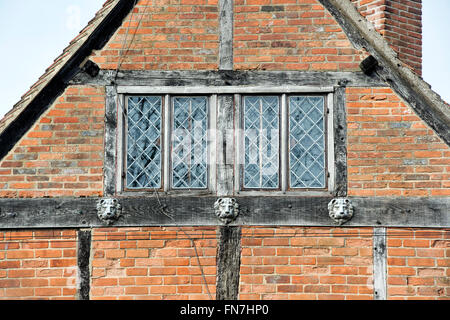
(227, 209)
(108, 210)
(340, 210)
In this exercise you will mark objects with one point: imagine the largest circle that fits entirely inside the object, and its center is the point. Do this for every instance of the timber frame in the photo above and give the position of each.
(155, 210)
(199, 211)
(224, 83)
(225, 115)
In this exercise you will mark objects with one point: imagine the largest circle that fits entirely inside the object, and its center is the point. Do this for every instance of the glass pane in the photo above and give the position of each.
(144, 142)
(306, 142)
(261, 142)
(189, 138)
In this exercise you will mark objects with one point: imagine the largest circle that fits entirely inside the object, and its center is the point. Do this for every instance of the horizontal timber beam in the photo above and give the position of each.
(228, 78)
(197, 211)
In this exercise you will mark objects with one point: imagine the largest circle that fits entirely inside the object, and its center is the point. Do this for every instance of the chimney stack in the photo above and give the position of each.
(400, 22)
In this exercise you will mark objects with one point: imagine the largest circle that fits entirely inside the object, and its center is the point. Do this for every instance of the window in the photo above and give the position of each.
(144, 142)
(261, 125)
(282, 141)
(285, 143)
(307, 167)
(186, 126)
(189, 143)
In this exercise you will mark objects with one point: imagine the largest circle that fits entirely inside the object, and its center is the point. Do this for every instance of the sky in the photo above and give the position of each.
(33, 33)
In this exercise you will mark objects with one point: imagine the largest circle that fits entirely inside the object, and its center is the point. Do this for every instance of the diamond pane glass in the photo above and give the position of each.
(144, 142)
(189, 138)
(306, 142)
(261, 142)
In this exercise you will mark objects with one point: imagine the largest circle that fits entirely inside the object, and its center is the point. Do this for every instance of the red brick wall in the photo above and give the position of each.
(400, 22)
(276, 263)
(391, 151)
(290, 35)
(306, 263)
(38, 264)
(418, 264)
(154, 263)
(62, 155)
(165, 35)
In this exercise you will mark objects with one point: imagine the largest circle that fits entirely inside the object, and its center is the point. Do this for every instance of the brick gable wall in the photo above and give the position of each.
(165, 35)
(391, 152)
(400, 22)
(290, 35)
(62, 155)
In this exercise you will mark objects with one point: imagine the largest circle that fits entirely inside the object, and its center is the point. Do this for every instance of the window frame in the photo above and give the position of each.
(212, 93)
(166, 147)
(285, 190)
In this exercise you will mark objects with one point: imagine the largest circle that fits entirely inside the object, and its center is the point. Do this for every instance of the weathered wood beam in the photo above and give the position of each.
(226, 17)
(340, 142)
(228, 78)
(109, 167)
(225, 143)
(379, 264)
(194, 211)
(84, 267)
(228, 263)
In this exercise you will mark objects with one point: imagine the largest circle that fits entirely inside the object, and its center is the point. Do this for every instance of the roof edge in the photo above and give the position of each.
(428, 104)
(17, 128)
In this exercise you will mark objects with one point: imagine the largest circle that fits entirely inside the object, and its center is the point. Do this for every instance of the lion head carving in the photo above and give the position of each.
(108, 210)
(227, 209)
(340, 210)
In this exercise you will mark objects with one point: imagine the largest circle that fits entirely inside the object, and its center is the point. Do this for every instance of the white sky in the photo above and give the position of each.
(33, 33)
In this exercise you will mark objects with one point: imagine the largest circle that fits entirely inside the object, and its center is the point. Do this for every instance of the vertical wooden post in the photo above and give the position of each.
(84, 257)
(229, 251)
(340, 143)
(228, 263)
(226, 34)
(225, 145)
(109, 167)
(379, 264)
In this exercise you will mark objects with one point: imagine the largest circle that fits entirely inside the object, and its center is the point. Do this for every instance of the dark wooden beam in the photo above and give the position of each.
(229, 78)
(84, 256)
(197, 211)
(228, 263)
(109, 166)
(340, 142)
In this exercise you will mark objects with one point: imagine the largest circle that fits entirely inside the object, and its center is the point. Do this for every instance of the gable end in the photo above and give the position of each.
(56, 86)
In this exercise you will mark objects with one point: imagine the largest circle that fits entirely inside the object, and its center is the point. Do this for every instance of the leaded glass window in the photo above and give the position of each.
(282, 142)
(261, 142)
(306, 142)
(189, 149)
(263, 165)
(144, 142)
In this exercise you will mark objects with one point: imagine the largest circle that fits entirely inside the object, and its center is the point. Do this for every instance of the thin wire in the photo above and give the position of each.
(163, 210)
(199, 264)
(124, 42)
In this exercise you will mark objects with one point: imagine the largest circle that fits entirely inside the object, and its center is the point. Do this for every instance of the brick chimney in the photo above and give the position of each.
(400, 22)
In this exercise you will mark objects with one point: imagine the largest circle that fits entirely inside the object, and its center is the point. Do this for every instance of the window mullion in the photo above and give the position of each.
(212, 143)
(239, 139)
(122, 125)
(284, 143)
(167, 137)
(260, 144)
